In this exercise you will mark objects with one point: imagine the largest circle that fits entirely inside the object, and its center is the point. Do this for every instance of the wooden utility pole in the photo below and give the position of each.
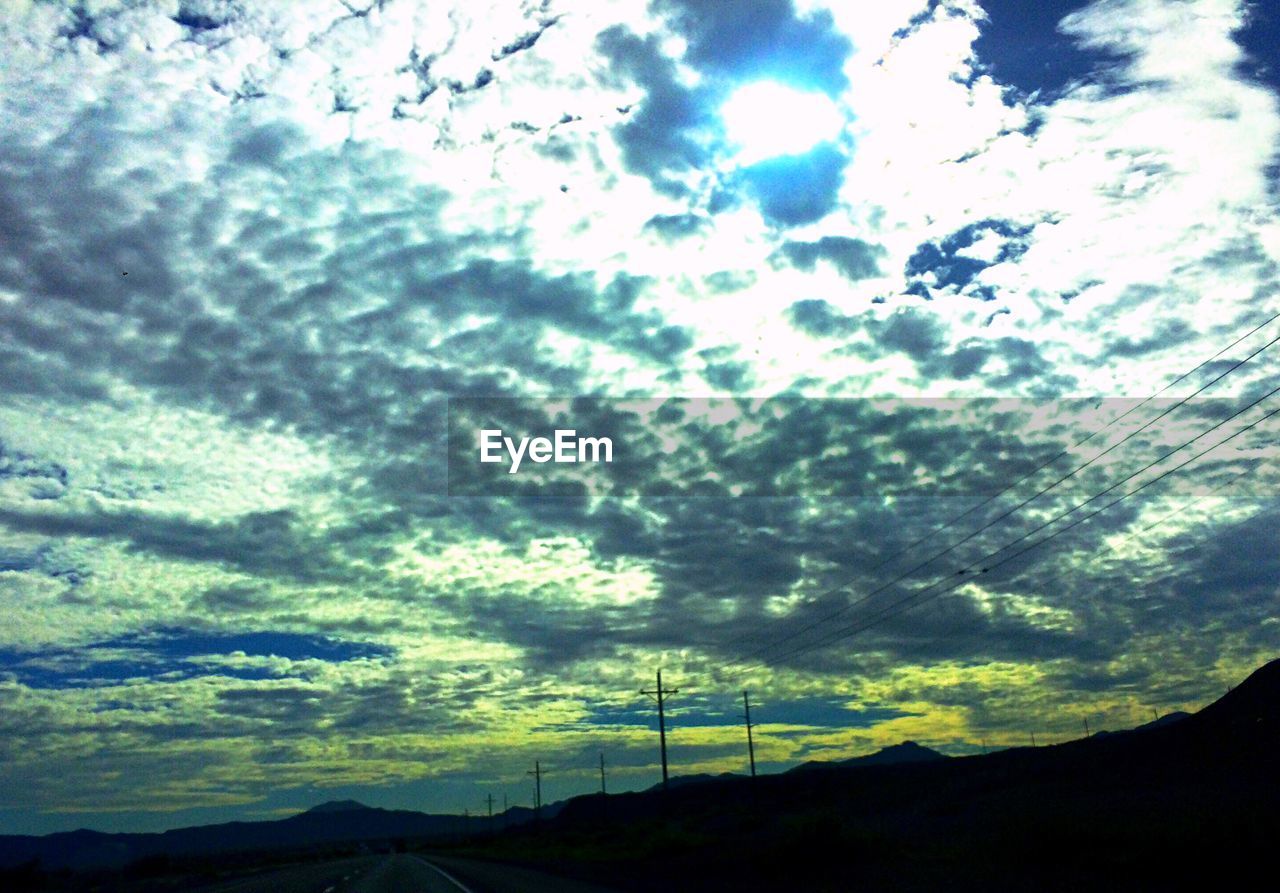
(602, 790)
(1086, 727)
(660, 694)
(1033, 739)
(751, 746)
(537, 788)
(490, 799)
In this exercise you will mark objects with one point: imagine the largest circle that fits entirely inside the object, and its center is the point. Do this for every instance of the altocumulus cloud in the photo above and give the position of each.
(249, 252)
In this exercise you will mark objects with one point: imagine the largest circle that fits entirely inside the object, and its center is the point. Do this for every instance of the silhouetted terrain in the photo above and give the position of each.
(338, 821)
(906, 752)
(1176, 803)
(1179, 802)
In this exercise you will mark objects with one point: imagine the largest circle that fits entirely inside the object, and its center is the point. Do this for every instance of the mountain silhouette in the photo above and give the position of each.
(337, 806)
(895, 754)
(1129, 806)
(339, 821)
(1165, 805)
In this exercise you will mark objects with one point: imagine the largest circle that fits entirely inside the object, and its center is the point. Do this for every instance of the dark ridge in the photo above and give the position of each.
(337, 806)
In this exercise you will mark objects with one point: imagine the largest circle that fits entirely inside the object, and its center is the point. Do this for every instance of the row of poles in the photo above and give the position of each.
(659, 694)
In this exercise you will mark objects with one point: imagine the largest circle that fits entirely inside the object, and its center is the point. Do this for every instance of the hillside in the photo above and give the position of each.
(341, 821)
(1161, 804)
(894, 755)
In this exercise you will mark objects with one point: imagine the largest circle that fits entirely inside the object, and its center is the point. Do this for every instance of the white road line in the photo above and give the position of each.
(448, 877)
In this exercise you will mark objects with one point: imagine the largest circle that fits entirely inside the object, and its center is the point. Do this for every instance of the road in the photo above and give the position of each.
(404, 873)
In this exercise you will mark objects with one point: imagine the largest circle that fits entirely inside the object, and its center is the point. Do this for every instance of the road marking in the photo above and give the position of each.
(448, 877)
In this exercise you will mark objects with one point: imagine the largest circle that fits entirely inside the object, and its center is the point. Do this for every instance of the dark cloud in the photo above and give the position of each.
(817, 317)
(917, 334)
(658, 139)
(1166, 334)
(726, 281)
(725, 373)
(677, 226)
(1026, 366)
(44, 479)
(270, 543)
(266, 146)
(733, 377)
(202, 16)
(854, 258)
(762, 40)
(339, 352)
(799, 508)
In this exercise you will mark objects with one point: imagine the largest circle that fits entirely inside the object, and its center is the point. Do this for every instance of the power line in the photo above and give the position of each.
(1221, 485)
(1028, 476)
(916, 596)
(887, 612)
(814, 624)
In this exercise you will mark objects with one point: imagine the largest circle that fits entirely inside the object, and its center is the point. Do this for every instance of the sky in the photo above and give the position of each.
(267, 267)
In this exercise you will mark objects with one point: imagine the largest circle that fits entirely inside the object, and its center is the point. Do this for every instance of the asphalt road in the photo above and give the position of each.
(404, 873)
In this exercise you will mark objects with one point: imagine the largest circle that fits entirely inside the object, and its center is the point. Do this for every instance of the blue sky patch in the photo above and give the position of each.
(1021, 47)
(818, 712)
(171, 655)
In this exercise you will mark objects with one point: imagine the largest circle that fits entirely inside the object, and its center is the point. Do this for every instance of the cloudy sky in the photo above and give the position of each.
(261, 262)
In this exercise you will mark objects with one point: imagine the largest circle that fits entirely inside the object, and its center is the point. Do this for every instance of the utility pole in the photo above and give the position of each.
(490, 799)
(1033, 739)
(751, 746)
(537, 788)
(602, 790)
(660, 693)
(506, 819)
(1086, 727)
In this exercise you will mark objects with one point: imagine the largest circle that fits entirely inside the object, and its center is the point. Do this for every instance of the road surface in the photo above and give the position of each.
(404, 873)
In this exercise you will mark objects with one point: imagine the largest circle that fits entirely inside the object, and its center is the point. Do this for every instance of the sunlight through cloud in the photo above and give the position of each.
(767, 119)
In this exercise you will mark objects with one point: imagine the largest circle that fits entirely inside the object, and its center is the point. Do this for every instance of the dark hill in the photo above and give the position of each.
(344, 821)
(1168, 805)
(337, 806)
(896, 754)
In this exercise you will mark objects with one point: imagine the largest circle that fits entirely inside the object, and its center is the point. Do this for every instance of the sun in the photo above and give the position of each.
(767, 119)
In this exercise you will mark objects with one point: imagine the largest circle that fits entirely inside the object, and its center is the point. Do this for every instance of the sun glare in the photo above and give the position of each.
(767, 119)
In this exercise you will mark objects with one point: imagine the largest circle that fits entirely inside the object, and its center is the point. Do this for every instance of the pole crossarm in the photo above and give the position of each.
(659, 694)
